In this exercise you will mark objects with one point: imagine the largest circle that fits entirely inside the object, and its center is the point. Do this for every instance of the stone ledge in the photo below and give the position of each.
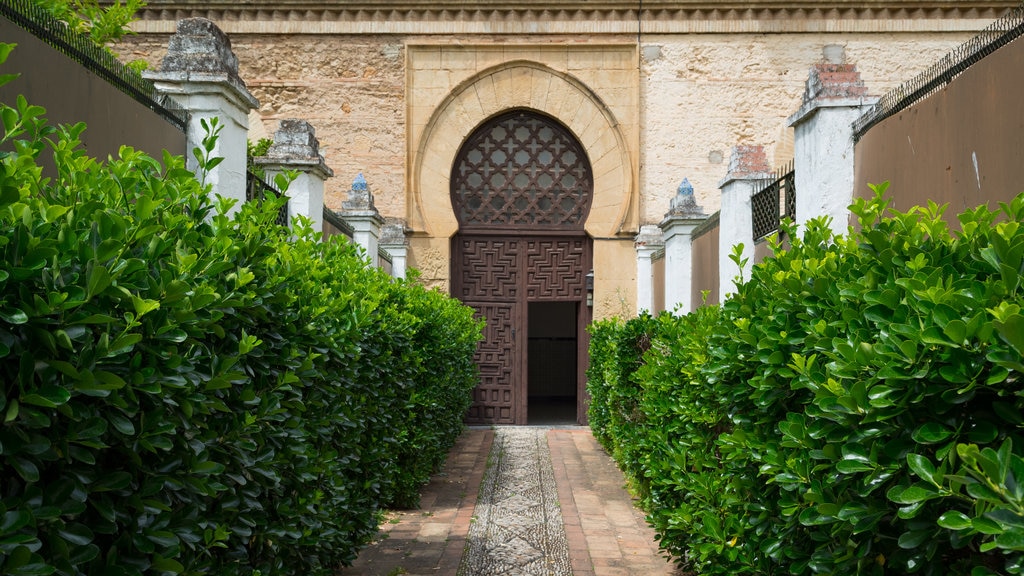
(658, 17)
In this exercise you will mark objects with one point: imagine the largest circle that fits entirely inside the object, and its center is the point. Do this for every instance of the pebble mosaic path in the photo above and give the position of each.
(518, 525)
(479, 515)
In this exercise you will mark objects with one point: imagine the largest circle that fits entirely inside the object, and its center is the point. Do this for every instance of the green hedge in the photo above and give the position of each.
(855, 407)
(187, 393)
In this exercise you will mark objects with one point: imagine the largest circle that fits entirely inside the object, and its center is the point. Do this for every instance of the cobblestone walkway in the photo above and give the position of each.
(518, 525)
(521, 501)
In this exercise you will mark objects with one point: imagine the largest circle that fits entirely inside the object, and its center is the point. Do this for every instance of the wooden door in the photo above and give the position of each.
(521, 190)
(498, 276)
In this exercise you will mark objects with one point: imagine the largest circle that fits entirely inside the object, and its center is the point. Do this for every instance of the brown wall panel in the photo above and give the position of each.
(963, 145)
(705, 267)
(658, 278)
(72, 94)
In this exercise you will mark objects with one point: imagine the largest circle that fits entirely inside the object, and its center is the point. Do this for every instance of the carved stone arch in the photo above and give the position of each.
(532, 86)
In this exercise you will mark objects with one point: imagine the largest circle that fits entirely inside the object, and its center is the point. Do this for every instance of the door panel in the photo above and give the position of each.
(495, 397)
(555, 268)
(499, 276)
(488, 269)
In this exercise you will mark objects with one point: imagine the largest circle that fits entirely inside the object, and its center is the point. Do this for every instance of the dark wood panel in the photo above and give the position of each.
(496, 397)
(488, 269)
(555, 269)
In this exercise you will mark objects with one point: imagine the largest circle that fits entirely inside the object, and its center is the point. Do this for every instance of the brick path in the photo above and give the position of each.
(606, 535)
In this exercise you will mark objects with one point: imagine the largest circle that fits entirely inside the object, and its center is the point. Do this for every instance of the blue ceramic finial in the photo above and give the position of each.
(684, 203)
(359, 184)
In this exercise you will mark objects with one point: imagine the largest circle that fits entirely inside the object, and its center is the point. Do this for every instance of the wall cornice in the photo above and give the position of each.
(423, 17)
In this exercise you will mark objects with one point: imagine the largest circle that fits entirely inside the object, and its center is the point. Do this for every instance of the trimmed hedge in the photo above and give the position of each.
(855, 407)
(187, 393)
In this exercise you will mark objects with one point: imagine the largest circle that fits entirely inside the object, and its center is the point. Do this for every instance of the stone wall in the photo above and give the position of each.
(351, 89)
(691, 91)
(700, 95)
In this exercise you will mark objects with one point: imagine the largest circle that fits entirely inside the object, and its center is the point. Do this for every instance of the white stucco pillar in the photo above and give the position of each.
(394, 242)
(834, 97)
(200, 72)
(296, 148)
(362, 215)
(677, 228)
(748, 168)
(648, 243)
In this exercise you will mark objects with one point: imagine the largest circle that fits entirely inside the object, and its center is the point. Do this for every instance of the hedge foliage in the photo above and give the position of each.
(188, 393)
(854, 408)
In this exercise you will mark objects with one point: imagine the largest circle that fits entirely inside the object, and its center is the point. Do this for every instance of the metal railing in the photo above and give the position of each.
(334, 225)
(29, 15)
(773, 202)
(998, 34)
(257, 189)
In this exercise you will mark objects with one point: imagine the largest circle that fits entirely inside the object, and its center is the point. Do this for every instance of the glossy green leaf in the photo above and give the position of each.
(911, 494)
(77, 534)
(47, 397)
(931, 433)
(954, 520)
(924, 469)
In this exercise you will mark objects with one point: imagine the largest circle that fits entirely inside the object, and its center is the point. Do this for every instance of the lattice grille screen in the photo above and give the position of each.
(522, 170)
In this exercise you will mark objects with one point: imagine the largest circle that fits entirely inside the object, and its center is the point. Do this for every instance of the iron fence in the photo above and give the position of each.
(998, 34)
(29, 15)
(257, 189)
(773, 202)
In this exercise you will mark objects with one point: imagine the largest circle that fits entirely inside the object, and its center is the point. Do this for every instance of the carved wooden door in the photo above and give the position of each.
(489, 282)
(521, 190)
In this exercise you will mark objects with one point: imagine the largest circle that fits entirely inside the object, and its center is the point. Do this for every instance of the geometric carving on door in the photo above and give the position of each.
(555, 268)
(489, 269)
(494, 396)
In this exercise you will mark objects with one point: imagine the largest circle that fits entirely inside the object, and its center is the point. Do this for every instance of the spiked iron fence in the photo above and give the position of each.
(29, 15)
(257, 189)
(998, 34)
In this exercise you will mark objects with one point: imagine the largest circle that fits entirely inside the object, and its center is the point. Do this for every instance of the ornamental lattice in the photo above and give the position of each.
(522, 170)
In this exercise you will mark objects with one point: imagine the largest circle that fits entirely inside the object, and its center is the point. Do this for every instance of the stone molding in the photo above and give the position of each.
(532, 85)
(575, 17)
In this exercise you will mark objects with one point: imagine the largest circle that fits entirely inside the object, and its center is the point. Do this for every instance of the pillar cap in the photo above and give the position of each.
(295, 147)
(393, 233)
(650, 237)
(360, 202)
(200, 53)
(747, 162)
(683, 210)
(831, 85)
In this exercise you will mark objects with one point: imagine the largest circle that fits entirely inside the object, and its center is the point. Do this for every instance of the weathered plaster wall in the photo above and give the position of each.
(700, 94)
(703, 94)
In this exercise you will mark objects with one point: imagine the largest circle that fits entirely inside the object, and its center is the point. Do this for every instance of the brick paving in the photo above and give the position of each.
(606, 535)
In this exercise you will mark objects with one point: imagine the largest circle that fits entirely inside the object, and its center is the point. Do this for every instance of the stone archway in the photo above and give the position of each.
(527, 85)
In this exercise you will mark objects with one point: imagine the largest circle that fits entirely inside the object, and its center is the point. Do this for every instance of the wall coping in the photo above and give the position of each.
(573, 16)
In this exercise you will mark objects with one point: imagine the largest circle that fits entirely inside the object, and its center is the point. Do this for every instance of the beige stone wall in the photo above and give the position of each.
(396, 106)
(704, 94)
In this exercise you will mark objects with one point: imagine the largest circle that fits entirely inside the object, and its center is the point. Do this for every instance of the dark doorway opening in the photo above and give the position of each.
(552, 363)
